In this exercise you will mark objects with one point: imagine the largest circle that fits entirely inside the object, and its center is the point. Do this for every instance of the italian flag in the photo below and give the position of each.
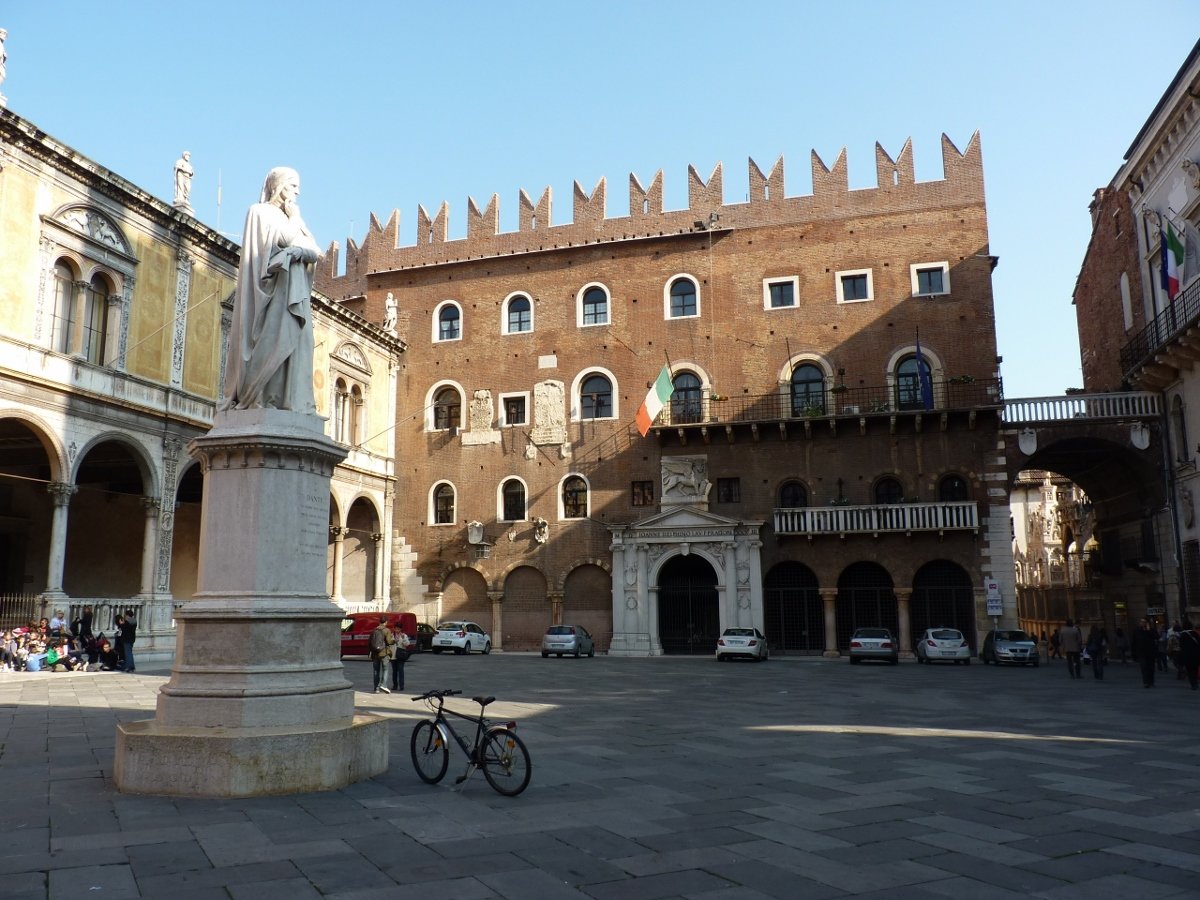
(657, 397)
(1172, 261)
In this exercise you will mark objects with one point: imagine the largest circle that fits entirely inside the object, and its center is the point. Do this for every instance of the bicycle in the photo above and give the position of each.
(496, 749)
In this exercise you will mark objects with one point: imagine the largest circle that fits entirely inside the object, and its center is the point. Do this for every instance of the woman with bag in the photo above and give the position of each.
(400, 653)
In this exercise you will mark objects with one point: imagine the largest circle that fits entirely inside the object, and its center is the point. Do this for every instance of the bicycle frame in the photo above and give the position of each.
(495, 748)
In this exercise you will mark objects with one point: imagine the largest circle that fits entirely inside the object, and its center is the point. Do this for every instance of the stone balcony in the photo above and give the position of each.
(877, 519)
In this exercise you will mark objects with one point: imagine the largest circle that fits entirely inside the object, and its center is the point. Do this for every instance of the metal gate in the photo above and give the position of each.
(942, 596)
(866, 599)
(793, 613)
(688, 616)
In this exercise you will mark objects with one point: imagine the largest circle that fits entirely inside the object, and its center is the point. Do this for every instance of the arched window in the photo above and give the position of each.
(910, 392)
(1182, 453)
(687, 399)
(808, 390)
(793, 495)
(358, 411)
(447, 409)
(520, 315)
(443, 504)
(953, 488)
(594, 307)
(449, 323)
(64, 307)
(513, 496)
(683, 298)
(595, 398)
(341, 415)
(94, 321)
(574, 498)
(888, 490)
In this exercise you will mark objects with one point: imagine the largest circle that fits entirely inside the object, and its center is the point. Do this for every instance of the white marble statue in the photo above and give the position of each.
(390, 311)
(183, 179)
(270, 360)
(3, 61)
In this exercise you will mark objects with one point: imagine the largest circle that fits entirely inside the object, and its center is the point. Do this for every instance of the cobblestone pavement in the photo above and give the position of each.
(652, 778)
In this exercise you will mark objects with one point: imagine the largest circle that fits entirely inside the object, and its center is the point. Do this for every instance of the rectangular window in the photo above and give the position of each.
(513, 409)
(780, 293)
(930, 279)
(1191, 572)
(729, 490)
(853, 287)
(643, 493)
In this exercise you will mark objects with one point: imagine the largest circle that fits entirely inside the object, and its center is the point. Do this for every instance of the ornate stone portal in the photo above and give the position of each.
(258, 702)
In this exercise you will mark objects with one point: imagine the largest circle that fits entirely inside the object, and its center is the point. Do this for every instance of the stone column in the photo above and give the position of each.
(904, 622)
(497, 598)
(258, 702)
(149, 548)
(377, 540)
(731, 612)
(829, 601)
(60, 495)
(339, 533)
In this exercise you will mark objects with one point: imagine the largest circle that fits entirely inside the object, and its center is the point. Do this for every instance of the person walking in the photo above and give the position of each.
(400, 653)
(381, 643)
(1071, 640)
(1189, 652)
(1160, 657)
(1097, 647)
(1122, 645)
(1055, 645)
(128, 636)
(1144, 644)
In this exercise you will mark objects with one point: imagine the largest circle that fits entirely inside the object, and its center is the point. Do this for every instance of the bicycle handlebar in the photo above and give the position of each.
(434, 695)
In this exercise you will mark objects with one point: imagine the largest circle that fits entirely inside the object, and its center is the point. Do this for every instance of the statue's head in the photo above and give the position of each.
(278, 179)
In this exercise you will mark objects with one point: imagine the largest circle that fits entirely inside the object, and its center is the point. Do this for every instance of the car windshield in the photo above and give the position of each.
(872, 633)
(946, 634)
(1013, 636)
(451, 626)
(740, 632)
(560, 629)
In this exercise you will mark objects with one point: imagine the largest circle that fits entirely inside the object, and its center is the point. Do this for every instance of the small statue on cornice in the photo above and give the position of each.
(390, 310)
(1192, 171)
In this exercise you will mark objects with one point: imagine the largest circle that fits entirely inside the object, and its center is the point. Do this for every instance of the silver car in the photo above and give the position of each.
(573, 640)
(1009, 645)
(873, 643)
(747, 643)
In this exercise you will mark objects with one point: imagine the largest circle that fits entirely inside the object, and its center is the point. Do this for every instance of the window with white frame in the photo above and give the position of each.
(574, 497)
(518, 314)
(442, 504)
(593, 305)
(80, 319)
(780, 293)
(447, 408)
(930, 279)
(512, 500)
(514, 409)
(681, 299)
(596, 397)
(447, 322)
(854, 286)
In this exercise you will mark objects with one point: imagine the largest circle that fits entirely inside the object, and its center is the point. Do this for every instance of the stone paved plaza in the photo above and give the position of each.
(652, 778)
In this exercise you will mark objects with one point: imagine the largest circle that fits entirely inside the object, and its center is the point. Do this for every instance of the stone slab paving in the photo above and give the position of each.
(652, 778)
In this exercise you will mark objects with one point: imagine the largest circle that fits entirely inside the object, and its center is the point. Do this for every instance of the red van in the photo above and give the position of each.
(357, 628)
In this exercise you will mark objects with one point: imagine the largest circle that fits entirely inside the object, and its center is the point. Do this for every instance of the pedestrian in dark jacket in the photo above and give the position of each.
(1189, 652)
(1144, 645)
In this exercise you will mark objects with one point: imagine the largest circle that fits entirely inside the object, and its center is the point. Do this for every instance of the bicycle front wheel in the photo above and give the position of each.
(505, 762)
(430, 755)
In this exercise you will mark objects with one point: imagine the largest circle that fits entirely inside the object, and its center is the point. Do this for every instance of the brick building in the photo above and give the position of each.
(827, 458)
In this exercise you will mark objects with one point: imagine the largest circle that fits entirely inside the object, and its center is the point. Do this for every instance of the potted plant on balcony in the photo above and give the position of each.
(961, 379)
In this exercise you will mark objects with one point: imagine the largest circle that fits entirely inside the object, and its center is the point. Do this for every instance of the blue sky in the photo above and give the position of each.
(398, 104)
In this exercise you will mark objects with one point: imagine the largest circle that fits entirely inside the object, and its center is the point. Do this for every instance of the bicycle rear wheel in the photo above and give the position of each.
(430, 755)
(505, 762)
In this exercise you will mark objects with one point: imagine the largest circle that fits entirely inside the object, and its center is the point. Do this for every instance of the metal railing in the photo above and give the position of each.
(1124, 405)
(17, 610)
(876, 519)
(1181, 314)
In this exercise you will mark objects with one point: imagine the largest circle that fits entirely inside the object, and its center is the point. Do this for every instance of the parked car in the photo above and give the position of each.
(461, 637)
(943, 645)
(425, 633)
(745, 642)
(873, 643)
(572, 639)
(357, 628)
(1007, 645)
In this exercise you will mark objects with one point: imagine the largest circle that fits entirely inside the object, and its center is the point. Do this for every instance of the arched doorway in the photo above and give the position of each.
(866, 599)
(942, 595)
(185, 541)
(25, 510)
(793, 613)
(107, 525)
(525, 615)
(359, 549)
(587, 601)
(689, 619)
(464, 596)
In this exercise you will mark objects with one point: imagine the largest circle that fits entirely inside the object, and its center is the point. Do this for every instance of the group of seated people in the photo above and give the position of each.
(58, 646)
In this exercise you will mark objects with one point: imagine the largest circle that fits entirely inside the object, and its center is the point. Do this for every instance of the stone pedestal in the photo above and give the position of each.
(258, 702)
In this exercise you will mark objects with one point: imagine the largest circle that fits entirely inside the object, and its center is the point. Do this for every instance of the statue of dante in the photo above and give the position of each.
(183, 179)
(270, 361)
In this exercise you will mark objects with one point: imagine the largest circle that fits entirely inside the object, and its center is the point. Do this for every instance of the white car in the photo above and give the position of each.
(461, 637)
(944, 644)
(745, 642)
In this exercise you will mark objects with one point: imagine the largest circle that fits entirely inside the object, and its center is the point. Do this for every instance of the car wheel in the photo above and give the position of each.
(854, 660)
(577, 653)
(895, 661)
(591, 651)
(545, 655)
(487, 648)
(559, 655)
(466, 648)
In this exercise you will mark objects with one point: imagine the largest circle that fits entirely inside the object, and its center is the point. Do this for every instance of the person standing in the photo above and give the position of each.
(1189, 652)
(400, 654)
(1071, 640)
(128, 636)
(1144, 644)
(1055, 645)
(1097, 647)
(381, 644)
(1122, 646)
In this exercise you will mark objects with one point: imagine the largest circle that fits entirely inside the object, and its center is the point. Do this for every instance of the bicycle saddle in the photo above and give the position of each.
(483, 701)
